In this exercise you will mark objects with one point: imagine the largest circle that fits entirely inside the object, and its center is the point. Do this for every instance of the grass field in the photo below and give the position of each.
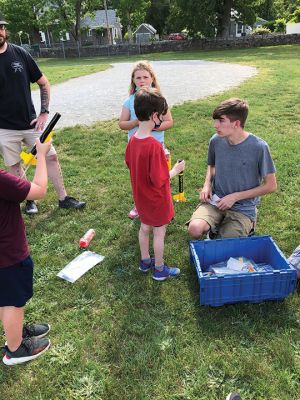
(116, 333)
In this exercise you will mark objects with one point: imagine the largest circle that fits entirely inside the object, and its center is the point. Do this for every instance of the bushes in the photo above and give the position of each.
(278, 25)
(261, 31)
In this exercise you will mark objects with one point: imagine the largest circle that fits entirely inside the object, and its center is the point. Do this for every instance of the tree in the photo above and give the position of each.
(196, 16)
(22, 16)
(285, 8)
(267, 10)
(157, 15)
(213, 16)
(131, 12)
(65, 15)
(295, 17)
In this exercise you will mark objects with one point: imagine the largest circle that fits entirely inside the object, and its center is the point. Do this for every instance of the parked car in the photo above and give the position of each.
(177, 36)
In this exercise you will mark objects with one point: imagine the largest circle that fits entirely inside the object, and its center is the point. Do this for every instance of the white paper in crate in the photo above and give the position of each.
(80, 265)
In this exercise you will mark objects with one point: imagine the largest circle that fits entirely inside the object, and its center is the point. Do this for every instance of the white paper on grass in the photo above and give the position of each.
(80, 265)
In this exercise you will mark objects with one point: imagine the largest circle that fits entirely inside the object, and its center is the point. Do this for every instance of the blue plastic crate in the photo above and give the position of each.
(251, 287)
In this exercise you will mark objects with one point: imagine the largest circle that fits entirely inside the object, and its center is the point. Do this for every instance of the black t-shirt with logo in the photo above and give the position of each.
(17, 71)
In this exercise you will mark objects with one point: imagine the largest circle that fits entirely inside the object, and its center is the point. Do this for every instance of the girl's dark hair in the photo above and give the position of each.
(234, 109)
(148, 101)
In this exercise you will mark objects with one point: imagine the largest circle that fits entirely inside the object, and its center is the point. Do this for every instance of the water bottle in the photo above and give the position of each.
(87, 238)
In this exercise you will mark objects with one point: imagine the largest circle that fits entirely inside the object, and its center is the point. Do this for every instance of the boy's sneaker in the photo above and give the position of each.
(71, 202)
(30, 207)
(133, 213)
(233, 396)
(29, 349)
(146, 267)
(35, 330)
(166, 273)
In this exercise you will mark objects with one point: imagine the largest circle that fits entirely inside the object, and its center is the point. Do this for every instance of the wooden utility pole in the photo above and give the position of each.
(107, 24)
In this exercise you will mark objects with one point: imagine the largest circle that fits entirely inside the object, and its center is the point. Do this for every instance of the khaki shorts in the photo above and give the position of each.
(11, 141)
(228, 223)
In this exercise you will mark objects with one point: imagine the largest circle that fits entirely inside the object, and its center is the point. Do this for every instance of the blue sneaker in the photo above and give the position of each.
(146, 267)
(166, 273)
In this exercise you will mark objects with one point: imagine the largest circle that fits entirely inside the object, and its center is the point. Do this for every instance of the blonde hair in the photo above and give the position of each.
(143, 65)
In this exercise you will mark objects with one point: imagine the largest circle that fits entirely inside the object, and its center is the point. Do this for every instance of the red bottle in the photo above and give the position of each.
(87, 238)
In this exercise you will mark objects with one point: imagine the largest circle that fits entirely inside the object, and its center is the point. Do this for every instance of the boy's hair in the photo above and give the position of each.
(148, 101)
(234, 109)
(143, 65)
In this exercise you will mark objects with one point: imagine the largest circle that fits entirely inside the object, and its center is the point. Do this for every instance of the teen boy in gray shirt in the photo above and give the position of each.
(240, 170)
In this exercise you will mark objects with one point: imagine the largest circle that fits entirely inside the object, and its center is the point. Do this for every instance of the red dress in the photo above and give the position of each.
(150, 180)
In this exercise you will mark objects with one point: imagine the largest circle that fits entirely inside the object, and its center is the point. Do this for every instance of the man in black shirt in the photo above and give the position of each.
(18, 120)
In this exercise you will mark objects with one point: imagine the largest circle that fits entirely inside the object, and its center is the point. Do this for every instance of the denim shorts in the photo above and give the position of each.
(16, 283)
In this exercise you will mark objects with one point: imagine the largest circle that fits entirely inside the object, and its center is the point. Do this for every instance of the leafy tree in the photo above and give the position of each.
(157, 15)
(245, 11)
(131, 12)
(295, 16)
(22, 16)
(285, 8)
(193, 15)
(267, 10)
(65, 15)
(213, 16)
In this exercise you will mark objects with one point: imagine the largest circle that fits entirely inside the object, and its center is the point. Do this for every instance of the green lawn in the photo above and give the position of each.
(59, 70)
(116, 333)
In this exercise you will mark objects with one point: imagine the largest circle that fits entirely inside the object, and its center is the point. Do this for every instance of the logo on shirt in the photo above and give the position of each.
(17, 66)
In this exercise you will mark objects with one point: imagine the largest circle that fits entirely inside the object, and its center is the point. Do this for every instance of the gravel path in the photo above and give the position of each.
(99, 96)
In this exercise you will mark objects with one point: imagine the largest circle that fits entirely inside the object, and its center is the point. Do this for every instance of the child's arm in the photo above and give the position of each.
(39, 183)
(124, 122)
(178, 167)
(167, 122)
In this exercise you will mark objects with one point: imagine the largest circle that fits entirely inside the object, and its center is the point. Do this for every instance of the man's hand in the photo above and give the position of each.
(42, 148)
(227, 202)
(40, 122)
(205, 193)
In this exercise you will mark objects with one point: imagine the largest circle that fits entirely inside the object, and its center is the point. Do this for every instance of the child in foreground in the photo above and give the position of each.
(150, 181)
(142, 75)
(24, 342)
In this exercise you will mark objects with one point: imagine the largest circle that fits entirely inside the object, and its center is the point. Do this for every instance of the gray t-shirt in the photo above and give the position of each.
(239, 167)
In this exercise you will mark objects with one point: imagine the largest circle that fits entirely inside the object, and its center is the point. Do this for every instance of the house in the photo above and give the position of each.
(237, 28)
(94, 28)
(259, 23)
(145, 33)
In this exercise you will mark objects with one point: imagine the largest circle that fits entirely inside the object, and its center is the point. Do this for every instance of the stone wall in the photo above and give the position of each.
(169, 45)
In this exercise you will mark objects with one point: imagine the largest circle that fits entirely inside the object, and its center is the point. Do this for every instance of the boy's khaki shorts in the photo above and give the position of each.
(11, 141)
(230, 223)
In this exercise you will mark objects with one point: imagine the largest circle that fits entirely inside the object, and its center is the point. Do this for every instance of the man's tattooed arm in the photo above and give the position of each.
(45, 98)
